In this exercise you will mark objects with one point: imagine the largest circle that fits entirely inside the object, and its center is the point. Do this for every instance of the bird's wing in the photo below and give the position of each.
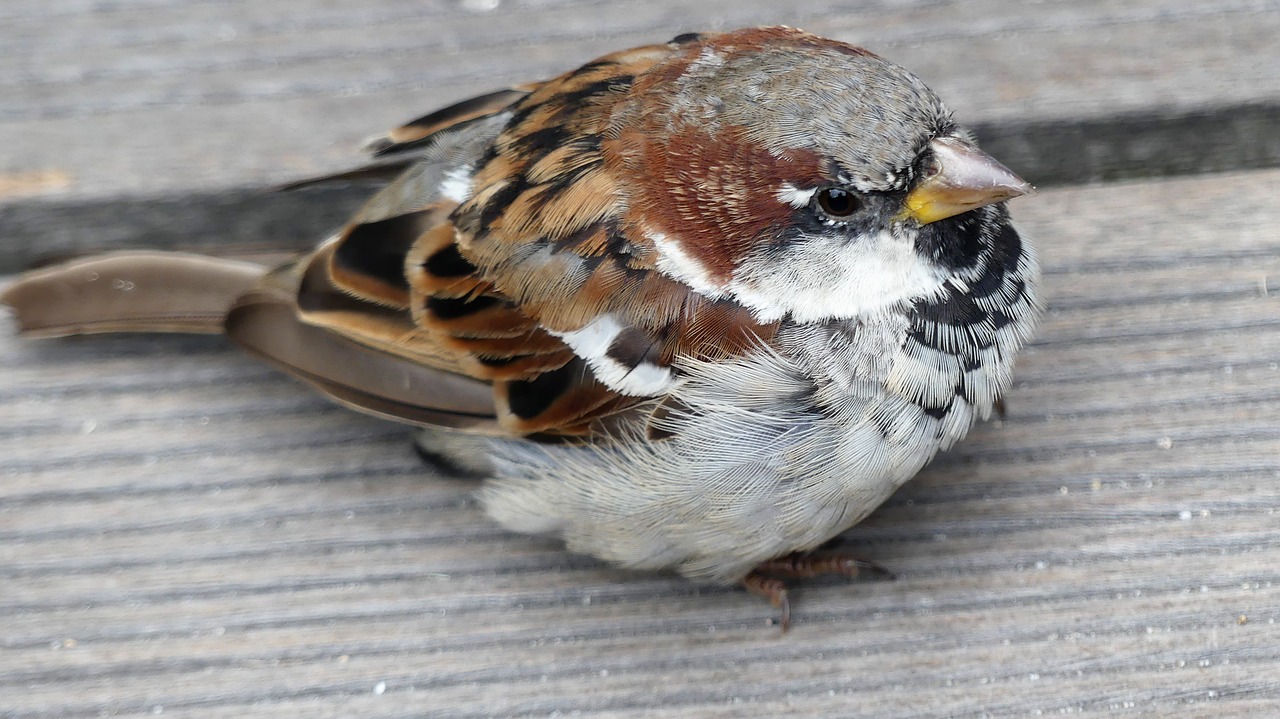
(528, 276)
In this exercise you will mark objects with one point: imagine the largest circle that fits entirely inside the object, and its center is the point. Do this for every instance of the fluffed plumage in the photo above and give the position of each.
(698, 306)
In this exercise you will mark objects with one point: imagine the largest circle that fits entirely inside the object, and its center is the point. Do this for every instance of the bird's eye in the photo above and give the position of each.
(837, 203)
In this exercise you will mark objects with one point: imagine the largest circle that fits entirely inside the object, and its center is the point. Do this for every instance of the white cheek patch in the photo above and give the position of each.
(819, 278)
(456, 184)
(826, 277)
(822, 277)
(592, 343)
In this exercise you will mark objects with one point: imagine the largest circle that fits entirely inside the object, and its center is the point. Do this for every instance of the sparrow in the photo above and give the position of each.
(696, 306)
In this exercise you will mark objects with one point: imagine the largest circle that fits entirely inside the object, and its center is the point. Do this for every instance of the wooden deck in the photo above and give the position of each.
(185, 532)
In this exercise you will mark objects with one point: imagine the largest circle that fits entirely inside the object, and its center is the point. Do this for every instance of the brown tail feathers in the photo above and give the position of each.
(130, 292)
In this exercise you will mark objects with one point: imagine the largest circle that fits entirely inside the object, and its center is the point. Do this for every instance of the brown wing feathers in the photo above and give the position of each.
(546, 222)
(350, 367)
(538, 250)
(416, 132)
(457, 322)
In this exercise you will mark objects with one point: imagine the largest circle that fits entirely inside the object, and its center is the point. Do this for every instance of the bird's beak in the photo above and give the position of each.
(960, 178)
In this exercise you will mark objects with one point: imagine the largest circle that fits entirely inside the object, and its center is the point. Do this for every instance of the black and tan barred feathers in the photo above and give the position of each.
(510, 269)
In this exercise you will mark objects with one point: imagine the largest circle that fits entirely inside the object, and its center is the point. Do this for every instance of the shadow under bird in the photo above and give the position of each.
(696, 306)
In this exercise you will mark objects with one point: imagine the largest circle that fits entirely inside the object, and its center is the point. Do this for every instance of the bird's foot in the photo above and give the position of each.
(765, 580)
(773, 590)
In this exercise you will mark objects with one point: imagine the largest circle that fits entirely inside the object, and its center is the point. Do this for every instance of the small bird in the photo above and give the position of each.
(697, 306)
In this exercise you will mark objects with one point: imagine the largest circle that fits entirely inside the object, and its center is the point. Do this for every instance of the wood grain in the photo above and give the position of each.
(240, 93)
(185, 532)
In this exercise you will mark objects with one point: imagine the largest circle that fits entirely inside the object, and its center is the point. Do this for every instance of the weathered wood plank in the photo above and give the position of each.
(182, 530)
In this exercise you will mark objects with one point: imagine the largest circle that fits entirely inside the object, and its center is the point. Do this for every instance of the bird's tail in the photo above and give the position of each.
(130, 292)
(256, 306)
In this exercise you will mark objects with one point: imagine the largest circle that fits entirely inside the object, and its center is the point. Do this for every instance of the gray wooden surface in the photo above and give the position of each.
(184, 532)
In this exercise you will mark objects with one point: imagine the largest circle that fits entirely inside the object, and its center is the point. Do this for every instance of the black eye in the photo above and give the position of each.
(837, 203)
